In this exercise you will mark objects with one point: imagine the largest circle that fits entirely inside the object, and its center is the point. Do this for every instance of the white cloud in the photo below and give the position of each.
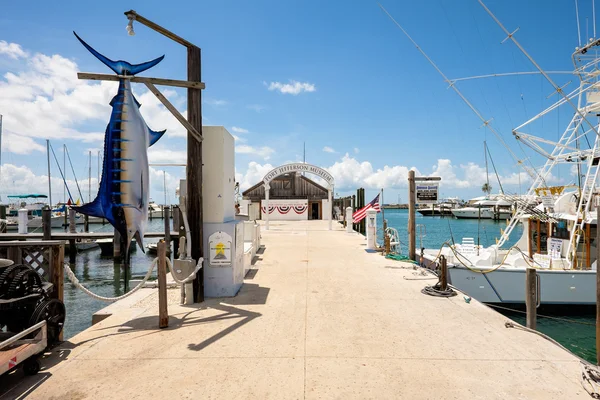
(161, 155)
(356, 150)
(293, 87)
(20, 144)
(215, 102)
(264, 151)
(239, 130)
(328, 149)
(238, 139)
(45, 100)
(256, 107)
(253, 174)
(12, 50)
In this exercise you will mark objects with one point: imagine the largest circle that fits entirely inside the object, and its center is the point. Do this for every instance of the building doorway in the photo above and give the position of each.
(314, 210)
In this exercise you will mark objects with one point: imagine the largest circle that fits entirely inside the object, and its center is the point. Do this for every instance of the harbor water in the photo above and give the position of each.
(578, 334)
(103, 277)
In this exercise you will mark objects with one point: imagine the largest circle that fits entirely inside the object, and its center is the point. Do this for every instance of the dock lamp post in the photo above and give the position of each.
(194, 144)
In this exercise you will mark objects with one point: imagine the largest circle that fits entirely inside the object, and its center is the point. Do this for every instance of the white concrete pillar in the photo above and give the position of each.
(23, 220)
(349, 220)
(371, 229)
(330, 207)
(267, 188)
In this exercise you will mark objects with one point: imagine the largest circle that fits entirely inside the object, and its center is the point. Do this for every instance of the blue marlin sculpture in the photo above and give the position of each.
(123, 195)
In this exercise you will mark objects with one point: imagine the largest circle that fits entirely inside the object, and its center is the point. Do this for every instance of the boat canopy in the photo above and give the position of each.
(28, 196)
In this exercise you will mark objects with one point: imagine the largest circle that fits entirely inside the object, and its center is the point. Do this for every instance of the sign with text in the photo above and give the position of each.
(426, 192)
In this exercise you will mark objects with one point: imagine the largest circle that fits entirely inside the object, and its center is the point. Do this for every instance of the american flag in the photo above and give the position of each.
(359, 215)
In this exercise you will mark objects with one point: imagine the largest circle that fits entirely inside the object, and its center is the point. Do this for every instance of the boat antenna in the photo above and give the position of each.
(558, 89)
(486, 122)
(594, 16)
(577, 17)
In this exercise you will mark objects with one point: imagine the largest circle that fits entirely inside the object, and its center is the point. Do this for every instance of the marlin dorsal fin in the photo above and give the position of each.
(120, 67)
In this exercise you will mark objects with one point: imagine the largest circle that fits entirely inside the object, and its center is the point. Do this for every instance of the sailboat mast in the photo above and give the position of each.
(49, 180)
(65, 169)
(165, 186)
(90, 180)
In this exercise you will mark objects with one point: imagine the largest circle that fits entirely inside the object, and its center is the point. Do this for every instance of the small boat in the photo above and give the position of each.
(152, 248)
(83, 245)
(106, 246)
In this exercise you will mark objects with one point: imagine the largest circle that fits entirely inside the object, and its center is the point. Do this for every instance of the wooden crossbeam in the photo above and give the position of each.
(174, 111)
(141, 79)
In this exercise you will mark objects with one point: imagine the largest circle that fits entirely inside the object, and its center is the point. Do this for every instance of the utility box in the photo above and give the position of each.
(223, 235)
(218, 175)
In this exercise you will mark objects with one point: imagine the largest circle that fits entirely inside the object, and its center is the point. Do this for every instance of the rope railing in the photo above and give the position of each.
(75, 281)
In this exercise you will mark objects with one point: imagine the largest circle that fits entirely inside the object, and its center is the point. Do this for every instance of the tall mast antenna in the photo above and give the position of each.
(577, 17)
(486, 122)
(557, 88)
(594, 16)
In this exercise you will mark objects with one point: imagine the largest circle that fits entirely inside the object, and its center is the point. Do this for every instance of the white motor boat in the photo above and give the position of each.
(498, 209)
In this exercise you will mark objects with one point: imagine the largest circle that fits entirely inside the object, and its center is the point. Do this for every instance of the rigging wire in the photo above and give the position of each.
(61, 172)
(493, 166)
(486, 123)
(74, 176)
(557, 88)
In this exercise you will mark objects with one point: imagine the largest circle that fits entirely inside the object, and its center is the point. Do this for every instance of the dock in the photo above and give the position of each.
(318, 317)
(74, 236)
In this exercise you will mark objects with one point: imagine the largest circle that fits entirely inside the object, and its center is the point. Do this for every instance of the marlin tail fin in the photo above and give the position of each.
(121, 67)
(93, 209)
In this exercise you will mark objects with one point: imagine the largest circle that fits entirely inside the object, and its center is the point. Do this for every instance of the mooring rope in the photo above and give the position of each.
(75, 281)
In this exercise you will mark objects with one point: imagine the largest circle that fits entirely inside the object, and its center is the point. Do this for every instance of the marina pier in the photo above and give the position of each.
(318, 316)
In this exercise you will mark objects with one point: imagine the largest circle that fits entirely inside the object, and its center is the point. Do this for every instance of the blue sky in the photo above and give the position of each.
(368, 105)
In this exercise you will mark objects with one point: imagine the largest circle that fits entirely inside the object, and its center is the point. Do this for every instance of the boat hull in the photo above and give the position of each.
(508, 285)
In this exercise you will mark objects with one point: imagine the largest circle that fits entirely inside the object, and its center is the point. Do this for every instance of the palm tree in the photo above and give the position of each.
(486, 188)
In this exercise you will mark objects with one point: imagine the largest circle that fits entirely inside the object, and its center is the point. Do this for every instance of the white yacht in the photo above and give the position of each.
(498, 209)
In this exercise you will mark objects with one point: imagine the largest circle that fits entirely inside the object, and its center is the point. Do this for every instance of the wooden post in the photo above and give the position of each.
(86, 223)
(597, 293)
(443, 273)
(3, 216)
(163, 313)
(411, 215)
(46, 223)
(117, 247)
(167, 220)
(531, 297)
(194, 167)
(72, 226)
(175, 215)
(66, 223)
(57, 279)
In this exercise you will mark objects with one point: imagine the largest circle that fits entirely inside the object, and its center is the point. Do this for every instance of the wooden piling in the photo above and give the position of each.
(411, 215)
(443, 273)
(57, 274)
(46, 223)
(194, 167)
(2, 216)
(167, 220)
(117, 247)
(72, 226)
(531, 297)
(163, 313)
(86, 223)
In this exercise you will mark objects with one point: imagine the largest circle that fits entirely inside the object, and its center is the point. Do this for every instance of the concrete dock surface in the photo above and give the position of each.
(318, 317)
